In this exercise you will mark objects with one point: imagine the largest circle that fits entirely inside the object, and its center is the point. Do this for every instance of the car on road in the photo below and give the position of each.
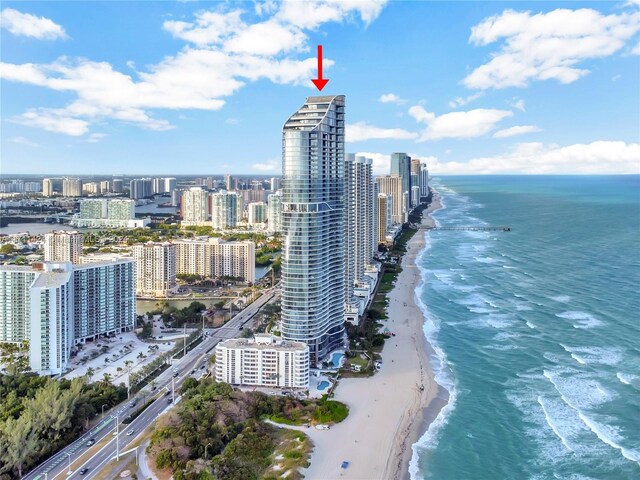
(168, 392)
(193, 371)
(169, 400)
(91, 441)
(130, 432)
(83, 471)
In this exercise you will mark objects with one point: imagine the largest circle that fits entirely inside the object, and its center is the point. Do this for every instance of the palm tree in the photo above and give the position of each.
(90, 372)
(106, 379)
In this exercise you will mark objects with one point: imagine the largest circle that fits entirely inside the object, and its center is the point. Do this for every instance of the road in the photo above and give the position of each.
(76, 456)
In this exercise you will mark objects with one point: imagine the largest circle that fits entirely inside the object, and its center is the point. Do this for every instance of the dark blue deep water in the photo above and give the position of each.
(536, 330)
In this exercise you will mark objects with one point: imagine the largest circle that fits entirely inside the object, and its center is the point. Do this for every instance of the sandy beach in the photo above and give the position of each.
(389, 411)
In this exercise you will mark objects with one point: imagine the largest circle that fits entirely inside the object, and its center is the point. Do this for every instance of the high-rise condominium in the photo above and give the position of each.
(401, 167)
(47, 187)
(63, 246)
(384, 217)
(229, 183)
(274, 215)
(215, 258)
(257, 213)
(276, 183)
(140, 188)
(392, 187)
(195, 206)
(313, 222)
(55, 305)
(155, 268)
(361, 237)
(424, 180)
(71, 187)
(226, 208)
(117, 185)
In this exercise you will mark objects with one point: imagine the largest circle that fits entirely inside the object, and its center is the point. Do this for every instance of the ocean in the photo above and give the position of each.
(536, 330)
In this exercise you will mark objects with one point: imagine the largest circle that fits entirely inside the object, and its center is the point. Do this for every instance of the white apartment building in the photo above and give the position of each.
(274, 212)
(415, 195)
(55, 305)
(108, 213)
(155, 268)
(263, 361)
(257, 213)
(71, 187)
(63, 246)
(213, 257)
(47, 187)
(194, 206)
(226, 209)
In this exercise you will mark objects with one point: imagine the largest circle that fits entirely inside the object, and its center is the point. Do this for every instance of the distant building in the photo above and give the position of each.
(415, 195)
(63, 246)
(226, 209)
(108, 213)
(195, 206)
(424, 180)
(140, 188)
(105, 186)
(117, 185)
(257, 213)
(92, 188)
(263, 361)
(229, 182)
(54, 305)
(274, 215)
(401, 167)
(215, 258)
(155, 268)
(47, 187)
(392, 187)
(71, 187)
(384, 217)
(276, 183)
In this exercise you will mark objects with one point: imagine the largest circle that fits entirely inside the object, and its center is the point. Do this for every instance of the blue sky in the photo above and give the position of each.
(204, 88)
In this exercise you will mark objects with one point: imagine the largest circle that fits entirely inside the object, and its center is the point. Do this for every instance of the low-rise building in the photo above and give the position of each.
(263, 360)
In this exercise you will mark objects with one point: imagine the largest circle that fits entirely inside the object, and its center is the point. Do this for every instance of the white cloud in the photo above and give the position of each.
(547, 45)
(97, 137)
(600, 157)
(460, 101)
(473, 123)
(615, 78)
(268, 166)
(27, 25)
(232, 121)
(53, 121)
(391, 98)
(24, 141)
(224, 54)
(380, 162)
(517, 130)
(518, 104)
(635, 50)
(360, 131)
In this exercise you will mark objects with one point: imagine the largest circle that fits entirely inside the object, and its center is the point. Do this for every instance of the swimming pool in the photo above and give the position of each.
(323, 385)
(336, 359)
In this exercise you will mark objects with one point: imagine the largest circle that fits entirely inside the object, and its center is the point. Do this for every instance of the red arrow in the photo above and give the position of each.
(320, 82)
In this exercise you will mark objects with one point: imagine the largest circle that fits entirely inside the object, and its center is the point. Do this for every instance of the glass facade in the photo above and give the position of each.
(313, 223)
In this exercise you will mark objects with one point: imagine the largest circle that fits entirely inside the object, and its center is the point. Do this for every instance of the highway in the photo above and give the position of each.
(76, 456)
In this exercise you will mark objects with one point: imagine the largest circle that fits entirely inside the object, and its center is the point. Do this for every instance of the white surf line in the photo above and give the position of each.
(553, 426)
(593, 426)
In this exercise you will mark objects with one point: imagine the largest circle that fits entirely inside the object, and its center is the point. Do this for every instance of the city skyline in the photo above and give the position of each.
(463, 97)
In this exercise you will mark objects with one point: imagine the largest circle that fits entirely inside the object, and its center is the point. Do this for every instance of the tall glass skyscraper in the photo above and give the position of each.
(313, 222)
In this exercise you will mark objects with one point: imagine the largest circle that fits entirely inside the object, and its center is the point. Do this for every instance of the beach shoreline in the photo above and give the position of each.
(389, 411)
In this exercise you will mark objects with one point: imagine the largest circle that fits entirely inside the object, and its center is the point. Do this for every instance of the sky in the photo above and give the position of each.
(204, 87)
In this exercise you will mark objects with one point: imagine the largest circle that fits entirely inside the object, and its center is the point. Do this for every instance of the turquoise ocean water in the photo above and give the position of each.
(536, 331)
